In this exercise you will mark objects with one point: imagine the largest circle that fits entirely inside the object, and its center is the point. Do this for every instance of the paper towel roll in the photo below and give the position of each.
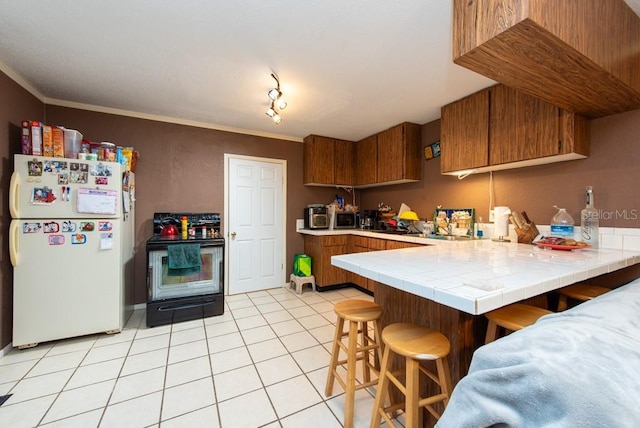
(501, 221)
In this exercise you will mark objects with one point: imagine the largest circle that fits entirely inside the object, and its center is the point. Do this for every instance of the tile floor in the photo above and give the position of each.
(261, 364)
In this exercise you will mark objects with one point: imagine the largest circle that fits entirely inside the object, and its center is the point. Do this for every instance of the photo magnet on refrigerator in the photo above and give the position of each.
(56, 239)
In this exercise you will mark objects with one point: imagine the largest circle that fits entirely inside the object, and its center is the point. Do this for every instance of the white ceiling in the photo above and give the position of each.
(348, 69)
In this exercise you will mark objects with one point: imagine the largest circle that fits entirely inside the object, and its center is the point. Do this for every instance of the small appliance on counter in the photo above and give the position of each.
(316, 217)
(345, 220)
(185, 275)
(369, 219)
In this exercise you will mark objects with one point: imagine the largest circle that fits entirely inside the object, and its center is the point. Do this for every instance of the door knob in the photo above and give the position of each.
(233, 235)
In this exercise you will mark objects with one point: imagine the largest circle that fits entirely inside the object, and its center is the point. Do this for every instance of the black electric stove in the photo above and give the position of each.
(175, 297)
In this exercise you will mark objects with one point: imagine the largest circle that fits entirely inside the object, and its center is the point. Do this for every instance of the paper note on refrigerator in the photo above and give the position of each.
(94, 201)
(106, 241)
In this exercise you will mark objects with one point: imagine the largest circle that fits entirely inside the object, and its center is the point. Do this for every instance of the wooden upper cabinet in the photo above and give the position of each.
(501, 127)
(399, 158)
(580, 56)
(328, 161)
(318, 160)
(367, 161)
(344, 163)
(464, 133)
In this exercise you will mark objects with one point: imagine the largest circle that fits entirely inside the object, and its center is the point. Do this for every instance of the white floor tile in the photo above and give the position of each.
(16, 371)
(186, 336)
(149, 344)
(40, 386)
(297, 341)
(257, 355)
(251, 322)
(225, 342)
(207, 417)
(140, 412)
(312, 358)
(236, 382)
(233, 413)
(94, 373)
(245, 312)
(83, 420)
(138, 384)
(278, 369)
(287, 327)
(80, 400)
(46, 365)
(188, 351)
(323, 334)
(188, 397)
(221, 328)
(277, 316)
(315, 416)
(25, 414)
(259, 334)
(266, 350)
(141, 362)
(229, 360)
(187, 371)
(292, 395)
(313, 321)
(106, 353)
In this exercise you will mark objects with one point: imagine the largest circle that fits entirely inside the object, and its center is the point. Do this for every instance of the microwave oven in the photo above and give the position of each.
(345, 220)
(316, 217)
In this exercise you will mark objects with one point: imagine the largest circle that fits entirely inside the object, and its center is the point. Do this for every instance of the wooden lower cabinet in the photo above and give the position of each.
(320, 249)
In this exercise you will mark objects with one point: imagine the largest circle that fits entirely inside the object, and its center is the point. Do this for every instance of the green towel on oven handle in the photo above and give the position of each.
(183, 259)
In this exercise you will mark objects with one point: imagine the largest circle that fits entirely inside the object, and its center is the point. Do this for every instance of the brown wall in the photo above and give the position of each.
(181, 169)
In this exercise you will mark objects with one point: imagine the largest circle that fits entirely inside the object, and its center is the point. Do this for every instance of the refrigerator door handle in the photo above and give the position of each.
(14, 194)
(14, 229)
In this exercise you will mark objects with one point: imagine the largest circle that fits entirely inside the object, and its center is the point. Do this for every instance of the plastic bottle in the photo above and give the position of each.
(185, 227)
(590, 222)
(562, 224)
(479, 232)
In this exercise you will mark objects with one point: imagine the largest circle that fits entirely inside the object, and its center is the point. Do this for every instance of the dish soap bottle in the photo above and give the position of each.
(589, 221)
(184, 227)
(562, 224)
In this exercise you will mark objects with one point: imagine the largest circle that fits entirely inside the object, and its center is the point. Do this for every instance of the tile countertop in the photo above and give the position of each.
(481, 275)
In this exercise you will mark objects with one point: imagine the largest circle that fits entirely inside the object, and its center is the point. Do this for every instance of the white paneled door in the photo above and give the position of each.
(254, 219)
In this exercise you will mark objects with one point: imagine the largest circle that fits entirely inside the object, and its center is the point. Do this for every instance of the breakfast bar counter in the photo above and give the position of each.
(449, 284)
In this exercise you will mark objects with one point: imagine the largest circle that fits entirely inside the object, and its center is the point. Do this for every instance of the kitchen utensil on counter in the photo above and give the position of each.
(525, 228)
(169, 230)
(501, 223)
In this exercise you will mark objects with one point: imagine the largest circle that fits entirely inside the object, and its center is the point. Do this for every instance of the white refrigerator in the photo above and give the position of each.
(71, 244)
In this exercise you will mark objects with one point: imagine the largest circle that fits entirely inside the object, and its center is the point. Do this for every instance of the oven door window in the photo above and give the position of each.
(208, 280)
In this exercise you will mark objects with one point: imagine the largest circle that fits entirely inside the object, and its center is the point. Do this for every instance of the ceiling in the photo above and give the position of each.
(348, 69)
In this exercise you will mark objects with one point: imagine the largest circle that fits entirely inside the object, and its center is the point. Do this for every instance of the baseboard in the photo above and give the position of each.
(321, 289)
(4, 351)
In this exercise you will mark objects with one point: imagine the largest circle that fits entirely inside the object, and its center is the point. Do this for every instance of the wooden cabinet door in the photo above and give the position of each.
(366, 160)
(318, 160)
(394, 245)
(344, 163)
(464, 133)
(399, 153)
(522, 127)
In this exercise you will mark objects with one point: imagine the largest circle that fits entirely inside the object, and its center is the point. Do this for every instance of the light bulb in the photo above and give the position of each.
(282, 104)
(274, 94)
(271, 112)
(276, 118)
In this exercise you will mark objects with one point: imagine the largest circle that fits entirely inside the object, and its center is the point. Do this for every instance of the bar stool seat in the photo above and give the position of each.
(513, 317)
(417, 344)
(299, 281)
(581, 292)
(358, 313)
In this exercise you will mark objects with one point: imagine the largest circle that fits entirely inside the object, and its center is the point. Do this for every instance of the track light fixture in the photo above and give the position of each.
(275, 95)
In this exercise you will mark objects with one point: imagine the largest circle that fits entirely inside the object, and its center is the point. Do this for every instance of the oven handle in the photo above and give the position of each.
(185, 306)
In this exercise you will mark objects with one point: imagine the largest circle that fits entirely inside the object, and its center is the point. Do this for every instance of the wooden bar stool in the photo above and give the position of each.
(358, 313)
(582, 292)
(513, 317)
(417, 344)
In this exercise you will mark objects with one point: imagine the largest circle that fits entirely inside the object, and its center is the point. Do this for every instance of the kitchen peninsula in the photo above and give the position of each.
(446, 285)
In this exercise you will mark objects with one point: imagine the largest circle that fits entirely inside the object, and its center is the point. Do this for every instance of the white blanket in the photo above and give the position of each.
(578, 368)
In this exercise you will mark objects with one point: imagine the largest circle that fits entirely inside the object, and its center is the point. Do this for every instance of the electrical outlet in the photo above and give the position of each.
(491, 216)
